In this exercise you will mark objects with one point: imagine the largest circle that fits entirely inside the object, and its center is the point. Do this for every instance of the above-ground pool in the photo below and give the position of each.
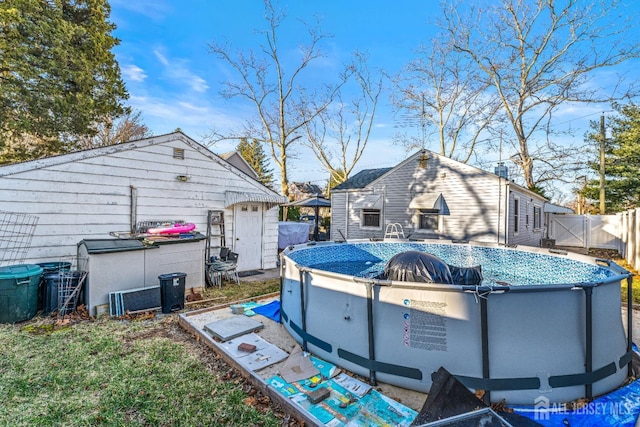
(540, 325)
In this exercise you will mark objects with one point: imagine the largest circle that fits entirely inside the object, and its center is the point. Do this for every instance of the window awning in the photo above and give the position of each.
(233, 197)
(369, 201)
(430, 201)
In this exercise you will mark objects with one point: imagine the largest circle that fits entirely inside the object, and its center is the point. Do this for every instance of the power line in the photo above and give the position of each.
(583, 117)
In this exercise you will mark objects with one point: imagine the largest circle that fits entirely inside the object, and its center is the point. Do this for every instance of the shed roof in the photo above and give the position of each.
(46, 162)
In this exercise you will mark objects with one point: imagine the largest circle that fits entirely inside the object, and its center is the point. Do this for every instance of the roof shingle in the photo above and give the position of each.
(362, 179)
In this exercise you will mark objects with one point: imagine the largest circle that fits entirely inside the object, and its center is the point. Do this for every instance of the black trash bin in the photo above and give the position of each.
(53, 283)
(172, 291)
(52, 267)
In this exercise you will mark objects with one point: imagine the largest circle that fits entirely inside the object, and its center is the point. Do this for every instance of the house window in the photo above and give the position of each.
(537, 217)
(371, 218)
(428, 219)
(516, 214)
(254, 209)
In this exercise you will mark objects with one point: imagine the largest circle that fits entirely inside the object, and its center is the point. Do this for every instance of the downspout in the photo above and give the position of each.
(507, 212)
(499, 205)
(133, 196)
(262, 240)
(384, 212)
(346, 215)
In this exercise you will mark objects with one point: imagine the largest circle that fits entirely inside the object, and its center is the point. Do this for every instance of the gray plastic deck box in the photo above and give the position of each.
(121, 264)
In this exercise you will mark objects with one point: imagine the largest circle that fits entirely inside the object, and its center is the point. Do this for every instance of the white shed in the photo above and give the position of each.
(89, 194)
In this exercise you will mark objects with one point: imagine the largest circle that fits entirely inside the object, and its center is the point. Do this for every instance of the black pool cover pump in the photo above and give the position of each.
(416, 266)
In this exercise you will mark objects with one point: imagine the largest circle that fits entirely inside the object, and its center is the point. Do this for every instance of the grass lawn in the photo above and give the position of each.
(635, 286)
(615, 257)
(124, 373)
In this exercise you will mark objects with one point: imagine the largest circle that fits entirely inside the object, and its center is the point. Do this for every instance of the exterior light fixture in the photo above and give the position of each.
(423, 160)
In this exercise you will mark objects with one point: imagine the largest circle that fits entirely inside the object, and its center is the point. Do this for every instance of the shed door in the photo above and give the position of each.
(247, 232)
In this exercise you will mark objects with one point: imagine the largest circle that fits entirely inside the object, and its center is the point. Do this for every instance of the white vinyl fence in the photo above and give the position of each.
(585, 231)
(620, 232)
(630, 236)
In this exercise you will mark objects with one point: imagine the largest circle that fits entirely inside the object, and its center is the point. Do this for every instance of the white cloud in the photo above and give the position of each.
(177, 69)
(163, 59)
(157, 10)
(189, 106)
(163, 115)
(198, 84)
(133, 73)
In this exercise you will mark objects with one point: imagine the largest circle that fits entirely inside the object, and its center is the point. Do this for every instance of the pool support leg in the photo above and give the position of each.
(588, 364)
(303, 313)
(629, 321)
(484, 331)
(372, 349)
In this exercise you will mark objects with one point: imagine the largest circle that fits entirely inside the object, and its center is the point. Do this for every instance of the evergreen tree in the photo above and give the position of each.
(622, 161)
(253, 153)
(58, 75)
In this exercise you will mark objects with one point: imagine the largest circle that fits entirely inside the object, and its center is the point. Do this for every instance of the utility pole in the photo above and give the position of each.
(602, 138)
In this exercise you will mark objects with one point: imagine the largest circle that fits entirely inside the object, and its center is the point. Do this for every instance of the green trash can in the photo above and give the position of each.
(19, 292)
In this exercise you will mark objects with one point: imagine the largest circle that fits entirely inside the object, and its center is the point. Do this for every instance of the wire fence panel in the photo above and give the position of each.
(16, 232)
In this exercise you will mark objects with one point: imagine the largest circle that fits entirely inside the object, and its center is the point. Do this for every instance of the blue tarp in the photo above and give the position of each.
(270, 310)
(619, 408)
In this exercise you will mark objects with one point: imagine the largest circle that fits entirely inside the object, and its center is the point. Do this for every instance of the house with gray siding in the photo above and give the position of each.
(434, 197)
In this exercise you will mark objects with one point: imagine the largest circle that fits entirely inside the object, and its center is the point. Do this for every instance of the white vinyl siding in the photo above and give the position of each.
(531, 220)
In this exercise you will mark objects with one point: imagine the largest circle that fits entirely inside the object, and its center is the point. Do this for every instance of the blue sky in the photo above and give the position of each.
(174, 81)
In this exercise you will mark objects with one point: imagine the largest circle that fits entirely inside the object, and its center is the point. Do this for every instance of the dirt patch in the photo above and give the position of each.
(593, 252)
(604, 253)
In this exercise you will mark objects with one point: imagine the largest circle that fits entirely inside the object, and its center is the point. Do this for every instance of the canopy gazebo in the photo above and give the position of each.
(316, 202)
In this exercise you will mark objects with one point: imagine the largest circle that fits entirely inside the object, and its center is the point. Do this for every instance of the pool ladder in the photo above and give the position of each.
(394, 230)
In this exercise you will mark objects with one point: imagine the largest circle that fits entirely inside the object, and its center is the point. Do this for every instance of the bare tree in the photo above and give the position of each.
(442, 95)
(540, 55)
(339, 134)
(111, 131)
(283, 104)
